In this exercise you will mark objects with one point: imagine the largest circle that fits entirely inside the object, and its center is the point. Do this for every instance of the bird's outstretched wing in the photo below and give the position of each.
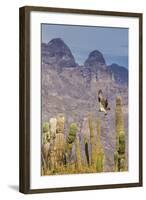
(100, 96)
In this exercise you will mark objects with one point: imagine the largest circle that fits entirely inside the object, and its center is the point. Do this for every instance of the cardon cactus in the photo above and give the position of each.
(119, 118)
(45, 127)
(60, 123)
(53, 122)
(116, 156)
(71, 138)
(100, 162)
(119, 155)
(45, 133)
(60, 140)
(122, 164)
(121, 152)
(121, 143)
(45, 146)
(60, 148)
(78, 155)
(52, 158)
(72, 133)
(98, 131)
(99, 152)
(92, 141)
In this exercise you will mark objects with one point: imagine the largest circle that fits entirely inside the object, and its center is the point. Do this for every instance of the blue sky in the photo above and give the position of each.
(112, 42)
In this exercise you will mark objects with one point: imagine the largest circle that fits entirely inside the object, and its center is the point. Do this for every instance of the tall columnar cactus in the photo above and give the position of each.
(53, 157)
(92, 141)
(98, 131)
(78, 155)
(60, 124)
(45, 133)
(100, 152)
(71, 138)
(53, 122)
(60, 140)
(45, 146)
(119, 155)
(119, 119)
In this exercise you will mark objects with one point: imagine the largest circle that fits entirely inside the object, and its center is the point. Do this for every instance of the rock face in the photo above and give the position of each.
(95, 68)
(120, 74)
(56, 52)
(72, 90)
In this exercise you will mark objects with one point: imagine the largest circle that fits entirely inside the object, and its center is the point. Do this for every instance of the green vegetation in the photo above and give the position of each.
(100, 152)
(92, 141)
(45, 127)
(72, 133)
(67, 154)
(119, 155)
(78, 155)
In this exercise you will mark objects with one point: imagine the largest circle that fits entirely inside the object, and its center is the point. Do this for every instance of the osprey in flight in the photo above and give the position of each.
(103, 103)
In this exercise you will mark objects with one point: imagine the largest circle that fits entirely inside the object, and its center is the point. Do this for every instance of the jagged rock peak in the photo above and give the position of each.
(94, 59)
(57, 42)
(115, 65)
(56, 52)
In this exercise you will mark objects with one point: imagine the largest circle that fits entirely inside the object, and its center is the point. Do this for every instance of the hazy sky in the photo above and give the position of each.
(112, 42)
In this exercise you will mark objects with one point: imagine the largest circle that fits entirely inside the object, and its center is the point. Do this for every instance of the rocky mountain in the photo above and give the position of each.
(95, 66)
(95, 59)
(72, 90)
(58, 54)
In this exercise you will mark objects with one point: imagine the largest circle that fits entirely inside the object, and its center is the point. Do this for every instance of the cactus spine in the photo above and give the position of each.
(100, 152)
(119, 155)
